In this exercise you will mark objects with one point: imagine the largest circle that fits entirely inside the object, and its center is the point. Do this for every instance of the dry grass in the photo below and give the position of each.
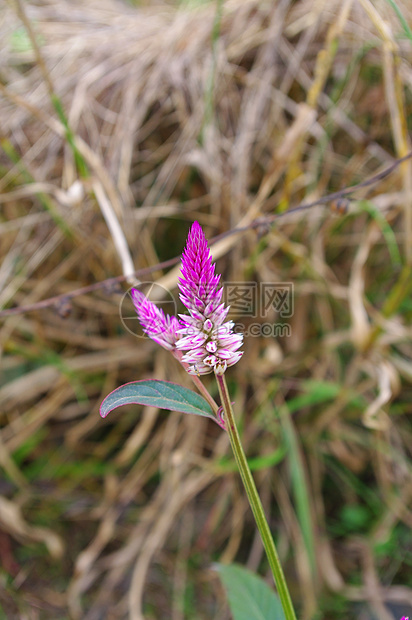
(286, 102)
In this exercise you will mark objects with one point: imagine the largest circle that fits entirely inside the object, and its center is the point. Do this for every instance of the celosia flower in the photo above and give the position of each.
(210, 343)
(161, 328)
(203, 342)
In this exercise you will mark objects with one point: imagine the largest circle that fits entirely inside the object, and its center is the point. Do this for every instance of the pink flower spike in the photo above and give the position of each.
(198, 284)
(210, 343)
(159, 327)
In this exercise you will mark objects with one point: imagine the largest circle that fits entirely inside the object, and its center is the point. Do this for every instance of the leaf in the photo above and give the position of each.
(250, 598)
(299, 484)
(156, 393)
(256, 463)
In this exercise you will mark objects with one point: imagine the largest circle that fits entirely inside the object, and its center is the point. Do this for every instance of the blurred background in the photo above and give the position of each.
(120, 124)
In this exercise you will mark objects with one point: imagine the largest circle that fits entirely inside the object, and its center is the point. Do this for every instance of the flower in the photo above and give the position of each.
(203, 342)
(161, 328)
(198, 284)
(209, 343)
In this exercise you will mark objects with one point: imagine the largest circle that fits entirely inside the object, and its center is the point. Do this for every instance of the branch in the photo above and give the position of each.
(111, 284)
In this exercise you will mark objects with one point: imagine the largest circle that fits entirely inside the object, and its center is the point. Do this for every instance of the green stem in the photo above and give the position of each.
(58, 106)
(254, 501)
(178, 355)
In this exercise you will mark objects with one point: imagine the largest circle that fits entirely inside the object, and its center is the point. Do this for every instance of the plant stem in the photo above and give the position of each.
(81, 164)
(254, 501)
(178, 355)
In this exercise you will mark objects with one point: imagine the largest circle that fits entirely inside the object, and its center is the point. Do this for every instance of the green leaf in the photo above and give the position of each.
(299, 484)
(250, 598)
(401, 18)
(20, 41)
(256, 463)
(156, 393)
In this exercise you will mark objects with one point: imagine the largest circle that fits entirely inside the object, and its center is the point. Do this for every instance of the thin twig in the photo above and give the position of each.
(110, 284)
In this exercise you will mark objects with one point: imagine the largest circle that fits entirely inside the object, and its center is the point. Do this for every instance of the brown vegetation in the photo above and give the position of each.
(178, 113)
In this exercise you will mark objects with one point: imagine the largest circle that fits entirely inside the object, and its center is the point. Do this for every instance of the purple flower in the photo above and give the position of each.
(198, 285)
(161, 328)
(202, 341)
(208, 342)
